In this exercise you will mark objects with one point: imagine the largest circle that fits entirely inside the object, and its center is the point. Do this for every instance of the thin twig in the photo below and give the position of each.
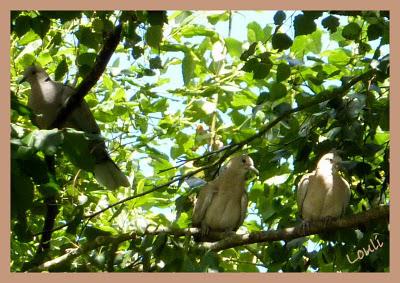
(234, 147)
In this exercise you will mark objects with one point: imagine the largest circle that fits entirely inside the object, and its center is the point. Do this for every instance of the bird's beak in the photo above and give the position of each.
(252, 168)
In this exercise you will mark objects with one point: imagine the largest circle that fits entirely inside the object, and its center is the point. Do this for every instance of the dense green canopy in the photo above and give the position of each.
(178, 97)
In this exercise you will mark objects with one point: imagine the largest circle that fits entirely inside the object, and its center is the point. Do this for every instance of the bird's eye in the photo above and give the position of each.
(243, 160)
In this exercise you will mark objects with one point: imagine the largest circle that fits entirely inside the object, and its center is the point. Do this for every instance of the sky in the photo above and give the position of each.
(240, 20)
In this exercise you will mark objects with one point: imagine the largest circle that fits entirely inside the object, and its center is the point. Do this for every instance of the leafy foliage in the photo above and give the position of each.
(176, 88)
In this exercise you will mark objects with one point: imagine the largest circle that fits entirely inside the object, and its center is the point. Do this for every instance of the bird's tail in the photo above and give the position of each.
(109, 175)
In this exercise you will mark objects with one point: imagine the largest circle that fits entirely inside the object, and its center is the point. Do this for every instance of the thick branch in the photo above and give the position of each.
(352, 221)
(91, 79)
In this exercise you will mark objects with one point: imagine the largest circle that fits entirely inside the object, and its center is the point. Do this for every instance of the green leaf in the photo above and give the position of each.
(282, 108)
(155, 63)
(46, 141)
(362, 169)
(222, 17)
(63, 16)
(77, 146)
(233, 46)
(279, 18)
(262, 97)
(281, 41)
(22, 231)
(249, 52)
(307, 43)
(157, 18)
(313, 14)
(188, 66)
(148, 72)
(44, 58)
(97, 25)
(277, 91)
(197, 30)
(261, 71)
(29, 37)
(250, 65)
(382, 137)
(386, 35)
(21, 190)
(35, 168)
(22, 25)
(331, 23)
(22, 109)
(50, 189)
(87, 59)
(93, 232)
(339, 57)
(180, 16)
(153, 36)
(268, 31)
(282, 72)
(255, 32)
(304, 25)
(74, 224)
(87, 37)
(351, 31)
(241, 100)
(61, 70)
(40, 25)
(27, 60)
(137, 52)
(108, 82)
(374, 31)
(159, 244)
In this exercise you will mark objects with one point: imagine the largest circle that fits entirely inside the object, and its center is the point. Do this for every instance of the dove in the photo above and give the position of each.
(221, 205)
(45, 100)
(323, 194)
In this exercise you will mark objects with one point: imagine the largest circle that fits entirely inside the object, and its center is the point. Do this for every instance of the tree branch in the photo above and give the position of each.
(335, 93)
(181, 178)
(91, 79)
(233, 147)
(316, 227)
(351, 221)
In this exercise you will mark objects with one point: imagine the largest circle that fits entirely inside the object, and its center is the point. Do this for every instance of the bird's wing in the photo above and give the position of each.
(81, 118)
(243, 209)
(204, 200)
(302, 189)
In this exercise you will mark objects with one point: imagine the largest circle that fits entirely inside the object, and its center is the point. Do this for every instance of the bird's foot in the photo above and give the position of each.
(328, 219)
(204, 230)
(305, 226)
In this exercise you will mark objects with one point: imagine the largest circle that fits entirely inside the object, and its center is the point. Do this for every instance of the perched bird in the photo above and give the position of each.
(46, 98)
(323, 194)
(222, 203)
